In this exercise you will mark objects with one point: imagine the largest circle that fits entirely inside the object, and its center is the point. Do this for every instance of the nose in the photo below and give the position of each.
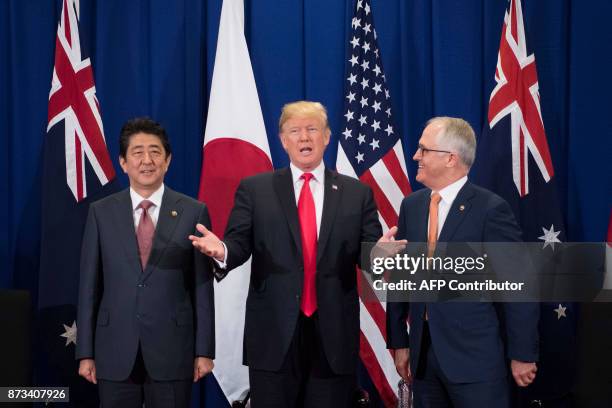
(417, 155)
(147, 158)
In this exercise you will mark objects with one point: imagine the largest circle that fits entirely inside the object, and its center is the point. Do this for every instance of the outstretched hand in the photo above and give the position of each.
(387, 245)
(209, 244)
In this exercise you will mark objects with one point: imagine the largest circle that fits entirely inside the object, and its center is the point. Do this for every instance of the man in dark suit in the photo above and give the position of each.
(303, 226)
(146, 306)
(455, 354)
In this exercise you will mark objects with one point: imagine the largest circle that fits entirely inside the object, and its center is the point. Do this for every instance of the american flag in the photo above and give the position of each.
(514, 161)
(370, 149)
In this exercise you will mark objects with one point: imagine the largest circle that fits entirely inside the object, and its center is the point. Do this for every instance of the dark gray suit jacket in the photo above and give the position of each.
(167, 309)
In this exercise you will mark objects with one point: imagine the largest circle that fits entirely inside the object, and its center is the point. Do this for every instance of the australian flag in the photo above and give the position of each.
(514, 161)
(77, 170)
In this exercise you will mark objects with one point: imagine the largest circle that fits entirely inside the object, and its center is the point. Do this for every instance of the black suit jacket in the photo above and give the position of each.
(264, 223)
(168, 308)
(466, 337)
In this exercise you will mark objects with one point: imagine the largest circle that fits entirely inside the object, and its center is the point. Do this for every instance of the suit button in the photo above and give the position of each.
(138, 316)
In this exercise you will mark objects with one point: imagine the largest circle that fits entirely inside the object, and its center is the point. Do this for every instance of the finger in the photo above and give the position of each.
(201, 228)
(93, 375)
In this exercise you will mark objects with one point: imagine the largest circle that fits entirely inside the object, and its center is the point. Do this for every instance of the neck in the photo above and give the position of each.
(145, 192)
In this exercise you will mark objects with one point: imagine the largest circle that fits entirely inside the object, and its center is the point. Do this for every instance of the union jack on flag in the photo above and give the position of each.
(371, 149)
(72, 99)
(517, 94)
(514, 161)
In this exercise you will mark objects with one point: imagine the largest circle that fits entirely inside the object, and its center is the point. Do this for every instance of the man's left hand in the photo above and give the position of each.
(201, 367)
(523, 373)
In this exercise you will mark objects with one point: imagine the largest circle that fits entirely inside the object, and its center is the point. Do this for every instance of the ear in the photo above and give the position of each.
(327, 136)
(283, 140)
(123, 163)
(168, 159)
(453, 160)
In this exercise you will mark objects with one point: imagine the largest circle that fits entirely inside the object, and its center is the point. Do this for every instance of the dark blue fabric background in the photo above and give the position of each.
(155, 57)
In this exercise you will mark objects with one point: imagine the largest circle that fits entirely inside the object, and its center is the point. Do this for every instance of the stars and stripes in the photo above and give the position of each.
(371, 150)
(72, 100)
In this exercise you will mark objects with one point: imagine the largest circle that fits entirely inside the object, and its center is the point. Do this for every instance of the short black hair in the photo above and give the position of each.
(142, 125)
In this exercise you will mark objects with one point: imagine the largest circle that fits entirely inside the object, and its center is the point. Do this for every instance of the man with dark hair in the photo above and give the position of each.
(146, 306)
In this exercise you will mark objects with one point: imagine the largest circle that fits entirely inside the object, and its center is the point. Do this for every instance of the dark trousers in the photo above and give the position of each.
(140, 387)
(305, 379)
(432, 389)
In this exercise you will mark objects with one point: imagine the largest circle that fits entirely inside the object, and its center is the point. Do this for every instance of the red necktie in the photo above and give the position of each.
(308, 224)
(145, 232)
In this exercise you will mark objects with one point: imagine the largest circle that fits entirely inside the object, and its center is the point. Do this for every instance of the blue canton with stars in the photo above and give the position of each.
(367, 133)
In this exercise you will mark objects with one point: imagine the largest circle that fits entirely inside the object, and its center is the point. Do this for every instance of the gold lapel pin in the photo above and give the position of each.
(461, 207)
(173, 213)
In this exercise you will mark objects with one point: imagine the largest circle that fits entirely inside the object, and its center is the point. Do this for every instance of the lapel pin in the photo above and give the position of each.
(461, 207)
(334, 187)
(173, 213)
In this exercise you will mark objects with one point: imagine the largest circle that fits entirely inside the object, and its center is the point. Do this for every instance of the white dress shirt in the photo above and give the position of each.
(155, 198)
(448, 194)
(317, 188)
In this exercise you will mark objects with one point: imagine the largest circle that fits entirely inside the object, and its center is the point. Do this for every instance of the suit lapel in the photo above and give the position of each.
(420, 223)
(283, 185)
(331, 198)
(167, 220)
(124, 217)
(457, 213)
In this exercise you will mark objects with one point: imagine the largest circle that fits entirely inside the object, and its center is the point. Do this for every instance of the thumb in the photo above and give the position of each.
(391, 233)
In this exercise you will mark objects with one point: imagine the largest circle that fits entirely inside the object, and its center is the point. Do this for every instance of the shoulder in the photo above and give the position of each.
(261, 178)
(184, 199)
(110, 200)
(347, 182)
(416, 197)
(486, 198)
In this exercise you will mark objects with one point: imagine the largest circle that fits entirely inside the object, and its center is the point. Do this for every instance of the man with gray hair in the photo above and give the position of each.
(454, 355)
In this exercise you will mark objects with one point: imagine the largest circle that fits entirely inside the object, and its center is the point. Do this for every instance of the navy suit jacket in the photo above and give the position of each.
(466, 336)
(264, 223)
(167, 309)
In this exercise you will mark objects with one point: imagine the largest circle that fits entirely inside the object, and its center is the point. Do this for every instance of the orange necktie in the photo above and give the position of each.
(432, 233)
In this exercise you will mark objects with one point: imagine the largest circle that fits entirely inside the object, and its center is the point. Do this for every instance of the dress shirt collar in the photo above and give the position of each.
(155, 198)
(449, 193)
(318, 173)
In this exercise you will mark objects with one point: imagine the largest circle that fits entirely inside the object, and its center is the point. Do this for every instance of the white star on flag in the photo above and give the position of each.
(347, 133)
(550, 237)
(560, 311)
(354, 60)
(70, 333)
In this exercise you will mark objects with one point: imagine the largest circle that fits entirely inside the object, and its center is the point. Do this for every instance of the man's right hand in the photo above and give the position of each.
(87, 370)
(209, 244)
(402, 363)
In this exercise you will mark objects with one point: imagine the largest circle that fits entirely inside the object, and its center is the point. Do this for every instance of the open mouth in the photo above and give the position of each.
(306, 150)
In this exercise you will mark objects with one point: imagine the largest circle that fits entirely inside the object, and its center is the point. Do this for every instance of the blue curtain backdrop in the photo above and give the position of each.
(156, 57)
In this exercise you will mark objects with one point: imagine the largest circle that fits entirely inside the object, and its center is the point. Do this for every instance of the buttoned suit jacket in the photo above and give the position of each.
(471, 340)
(167, 309)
